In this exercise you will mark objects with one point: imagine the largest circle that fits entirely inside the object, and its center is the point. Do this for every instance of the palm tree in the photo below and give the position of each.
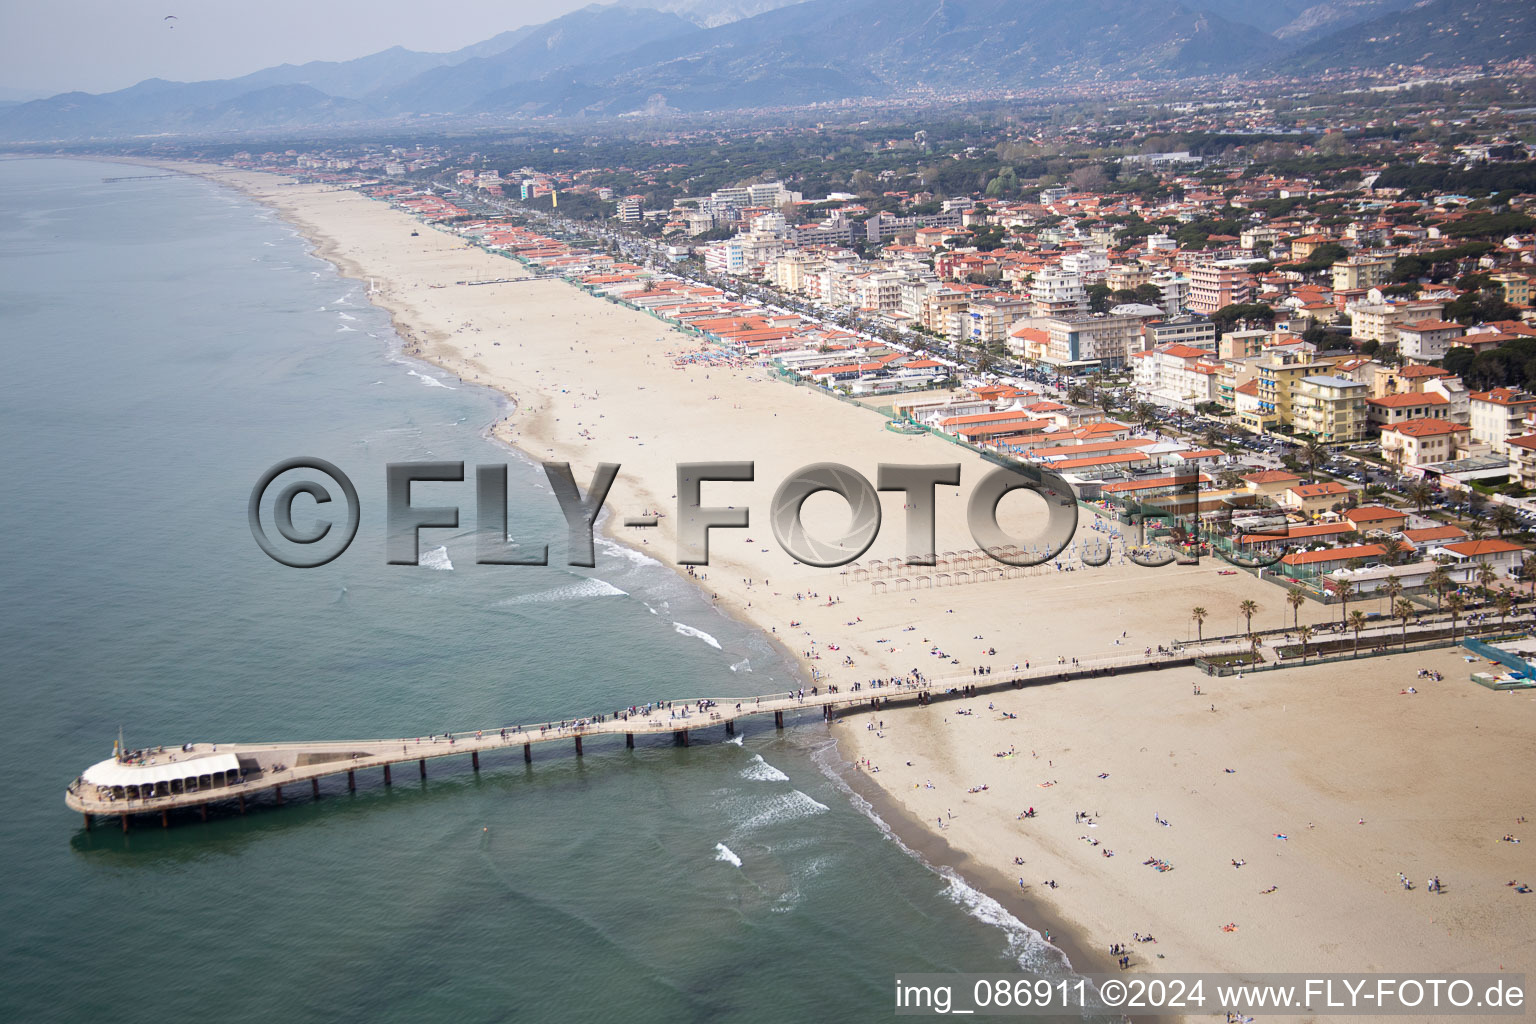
(1528, 568)
(1357, 623)
(1504, 602)
(1146, 415)
(1404, 610)
(1306, 637)
(1456, 604)
(1503, 518)
(1486, 575)
(1393, 588)
(1392, 549)
(1253, 648)
(1420, 493)
(1346, 590)
(1438, 581)
(1199, 614)
(1249, 609)
(1296, 598)
(1476, 530)
(1314, 453)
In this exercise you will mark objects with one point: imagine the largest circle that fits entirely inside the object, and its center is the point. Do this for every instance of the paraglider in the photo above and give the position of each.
(170, 17)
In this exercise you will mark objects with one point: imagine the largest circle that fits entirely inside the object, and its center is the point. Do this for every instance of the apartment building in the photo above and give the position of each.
(1057, 293)
(1383, 412)
(1277, 377)
(1427, 341)
(1194, 331)
(1522, 459)
(1218, 283)
(991, 316)
(1090, 342)
(1175, 292)
(1359, 272)
(1329, 408)
(1379, 321)
(1421, 442)
(1242, 344)
(1516, 288)
(1177, 376)
(1498, 415)
(1090, 265)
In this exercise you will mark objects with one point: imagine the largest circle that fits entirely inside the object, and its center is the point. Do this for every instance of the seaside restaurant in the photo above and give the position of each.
(161, 775)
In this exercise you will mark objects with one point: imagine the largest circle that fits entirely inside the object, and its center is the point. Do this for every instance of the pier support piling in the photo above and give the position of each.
(778, 719)
(87, 820)
(242, 803)
(681, 736)
(314, 786)
(351, 780)
(125, 821)
(730, 727)
(629, 740)
(204, 809)
(165, 817)
(422, 764)
(387, 781)
(279, 791)
(578, 746)
(528, 753)
(474, 760)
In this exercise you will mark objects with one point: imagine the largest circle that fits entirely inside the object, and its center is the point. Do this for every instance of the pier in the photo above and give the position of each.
(137, 177)
(194, 776)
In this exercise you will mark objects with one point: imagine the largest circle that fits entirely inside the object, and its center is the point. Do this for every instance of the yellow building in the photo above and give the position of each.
(1360, 272)
(1278, 377)
(1516, 288)
(1332, 409)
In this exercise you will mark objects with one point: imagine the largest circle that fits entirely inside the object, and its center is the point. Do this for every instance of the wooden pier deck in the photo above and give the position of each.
(271, 768)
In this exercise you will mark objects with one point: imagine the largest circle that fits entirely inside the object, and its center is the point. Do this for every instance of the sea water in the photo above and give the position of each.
(166, 341)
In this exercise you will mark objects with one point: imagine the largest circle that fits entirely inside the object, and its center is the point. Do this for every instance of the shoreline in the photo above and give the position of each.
(1072, 617)
(923, 844)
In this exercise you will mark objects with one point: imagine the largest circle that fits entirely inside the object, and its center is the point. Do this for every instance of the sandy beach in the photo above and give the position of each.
(1363, 781)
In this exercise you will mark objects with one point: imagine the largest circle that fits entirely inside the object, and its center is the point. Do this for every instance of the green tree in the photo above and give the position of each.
(1356, 622)
(1503, 518)
(1404, 610)
(1438, 581)
(1199, 614)
(1420, 493)
(1248, 609)
(1305, 633)
(1504, 602)
(1455, 604)
(1296, 598)
(1346, 590)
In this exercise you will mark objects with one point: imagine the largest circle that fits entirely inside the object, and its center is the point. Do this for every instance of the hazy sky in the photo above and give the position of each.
(50, 46)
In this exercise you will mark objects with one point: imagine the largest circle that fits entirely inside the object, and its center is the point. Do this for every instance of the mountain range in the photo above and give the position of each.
(698, 55)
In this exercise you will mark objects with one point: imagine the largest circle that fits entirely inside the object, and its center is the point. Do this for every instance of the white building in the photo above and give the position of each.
(1057, 293)
(1427, 340)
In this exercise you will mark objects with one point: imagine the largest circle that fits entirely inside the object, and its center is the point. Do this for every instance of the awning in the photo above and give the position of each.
(111, 773)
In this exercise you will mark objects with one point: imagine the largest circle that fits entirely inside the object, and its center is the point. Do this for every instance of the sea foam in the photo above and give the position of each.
(590, 587)
(723, 852)
(780, 808)
(759, 770)
(437, 558)
(690, 631)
